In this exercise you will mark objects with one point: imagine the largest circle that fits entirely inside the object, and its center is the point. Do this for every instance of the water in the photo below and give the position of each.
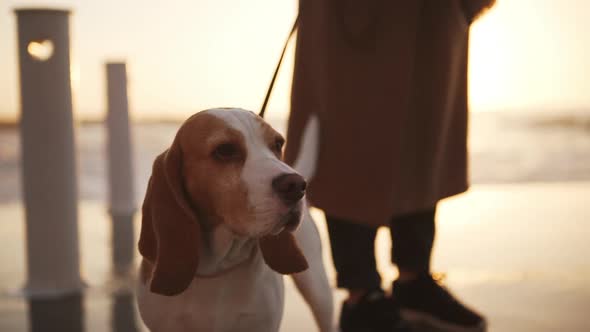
(504, 147)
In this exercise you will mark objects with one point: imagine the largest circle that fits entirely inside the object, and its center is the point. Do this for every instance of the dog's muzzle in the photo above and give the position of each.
(290, 187)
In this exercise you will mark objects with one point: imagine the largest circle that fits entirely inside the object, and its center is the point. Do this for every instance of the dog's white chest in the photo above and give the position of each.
(250, 298)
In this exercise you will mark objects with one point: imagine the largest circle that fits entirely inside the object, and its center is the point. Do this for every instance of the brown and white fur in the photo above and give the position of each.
(223, 219)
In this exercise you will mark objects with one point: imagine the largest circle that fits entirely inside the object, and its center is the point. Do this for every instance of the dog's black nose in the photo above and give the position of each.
(290, 187)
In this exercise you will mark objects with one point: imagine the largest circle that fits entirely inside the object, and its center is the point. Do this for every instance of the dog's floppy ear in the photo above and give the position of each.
(282, 254)
(170, 232)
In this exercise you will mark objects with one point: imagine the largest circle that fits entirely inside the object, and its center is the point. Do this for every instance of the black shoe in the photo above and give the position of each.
(424, 300)
(374, 312)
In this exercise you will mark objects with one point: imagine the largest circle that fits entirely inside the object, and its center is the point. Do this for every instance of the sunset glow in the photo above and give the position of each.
(186, 56)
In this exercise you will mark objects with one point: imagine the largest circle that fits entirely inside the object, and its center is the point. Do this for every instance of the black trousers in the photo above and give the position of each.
(353, 248)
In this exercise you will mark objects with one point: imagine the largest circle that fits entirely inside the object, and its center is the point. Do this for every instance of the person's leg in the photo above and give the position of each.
(366, 308)
(412, 238)
(419, 295)
(353, 252)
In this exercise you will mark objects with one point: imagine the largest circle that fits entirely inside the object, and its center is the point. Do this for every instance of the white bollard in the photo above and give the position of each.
(48, 153)
(120, 168)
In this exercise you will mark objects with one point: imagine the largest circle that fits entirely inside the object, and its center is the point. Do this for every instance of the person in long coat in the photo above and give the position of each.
(388, 81)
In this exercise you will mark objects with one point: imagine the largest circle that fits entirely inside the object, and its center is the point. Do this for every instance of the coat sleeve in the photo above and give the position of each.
(474, 8)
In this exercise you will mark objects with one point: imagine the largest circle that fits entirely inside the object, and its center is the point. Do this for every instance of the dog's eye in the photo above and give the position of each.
(226, 151)
(278, 145)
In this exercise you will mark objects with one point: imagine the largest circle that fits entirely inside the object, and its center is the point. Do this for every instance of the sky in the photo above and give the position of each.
(188, 55)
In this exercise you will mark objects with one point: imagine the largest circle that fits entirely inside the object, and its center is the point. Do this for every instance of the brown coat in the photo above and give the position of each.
(388, 80)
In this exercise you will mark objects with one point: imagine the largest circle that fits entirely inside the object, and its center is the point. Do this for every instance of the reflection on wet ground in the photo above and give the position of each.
(90, 311)
(123, 317)
(518, 253)
(64, 313)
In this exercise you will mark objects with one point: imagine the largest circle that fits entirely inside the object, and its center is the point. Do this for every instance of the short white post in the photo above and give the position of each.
(48, 153)
(120, 167)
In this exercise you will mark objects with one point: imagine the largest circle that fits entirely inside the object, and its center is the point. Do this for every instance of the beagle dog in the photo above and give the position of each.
(224, 218)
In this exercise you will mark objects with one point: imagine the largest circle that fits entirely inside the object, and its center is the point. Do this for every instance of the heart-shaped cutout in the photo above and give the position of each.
(40, 50)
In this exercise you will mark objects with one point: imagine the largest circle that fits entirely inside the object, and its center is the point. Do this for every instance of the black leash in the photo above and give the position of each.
(272, 82)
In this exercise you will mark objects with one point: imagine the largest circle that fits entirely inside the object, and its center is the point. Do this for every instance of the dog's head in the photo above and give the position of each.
(223, 168)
